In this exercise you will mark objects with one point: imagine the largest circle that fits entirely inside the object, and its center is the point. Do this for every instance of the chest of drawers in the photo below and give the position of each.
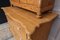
(25, 26)
(37, 6)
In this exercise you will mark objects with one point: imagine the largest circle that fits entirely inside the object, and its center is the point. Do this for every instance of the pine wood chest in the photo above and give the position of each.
(25, 26)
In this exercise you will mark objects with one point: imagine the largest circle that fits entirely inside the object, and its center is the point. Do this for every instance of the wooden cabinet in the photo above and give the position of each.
(37, 6)
(25, 26)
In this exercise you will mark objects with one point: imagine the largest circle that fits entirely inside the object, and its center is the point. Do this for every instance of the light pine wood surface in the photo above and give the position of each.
(26, 26)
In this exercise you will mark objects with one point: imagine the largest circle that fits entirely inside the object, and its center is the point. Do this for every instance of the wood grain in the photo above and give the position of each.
(37, 6)
(27, 25)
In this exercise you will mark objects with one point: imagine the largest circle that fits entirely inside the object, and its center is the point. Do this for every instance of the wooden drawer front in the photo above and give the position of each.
(43, 3)
(34, 2)
(30, 2)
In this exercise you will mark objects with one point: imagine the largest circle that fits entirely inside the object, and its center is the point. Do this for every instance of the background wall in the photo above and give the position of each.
(57, 5)
(55, 31)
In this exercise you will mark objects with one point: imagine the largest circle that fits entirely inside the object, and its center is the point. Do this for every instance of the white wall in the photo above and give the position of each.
(55, 31)
(57, 5)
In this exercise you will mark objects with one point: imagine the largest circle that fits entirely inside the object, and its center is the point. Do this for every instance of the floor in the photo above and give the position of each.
(5, 33)
(55, 30)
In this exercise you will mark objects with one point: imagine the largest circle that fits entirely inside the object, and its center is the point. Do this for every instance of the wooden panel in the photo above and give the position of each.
(23, 1)
(26, 6)
(30, 2)
(17, 30)
(33, 2)
(47, 4)
(42, 32)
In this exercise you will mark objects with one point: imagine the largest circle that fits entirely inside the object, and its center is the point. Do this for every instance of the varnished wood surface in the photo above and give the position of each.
(29, 15)
(27, 20)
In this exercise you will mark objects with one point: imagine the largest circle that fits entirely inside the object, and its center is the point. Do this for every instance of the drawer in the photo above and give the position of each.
(34, 2)
(30, 2)
(37, 6)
